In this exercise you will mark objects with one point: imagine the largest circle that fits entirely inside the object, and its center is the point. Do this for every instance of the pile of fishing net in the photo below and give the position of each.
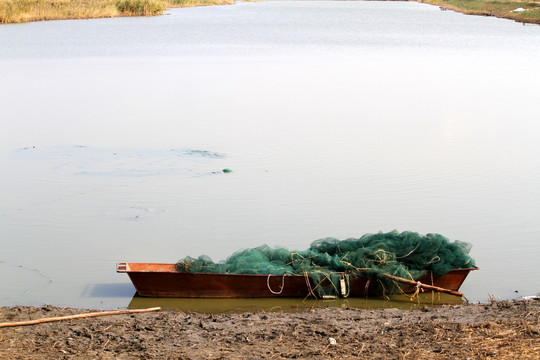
(407, 255)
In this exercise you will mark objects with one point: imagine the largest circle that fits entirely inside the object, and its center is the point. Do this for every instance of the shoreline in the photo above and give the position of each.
(520, 11)
(22, 11)
(500, 329)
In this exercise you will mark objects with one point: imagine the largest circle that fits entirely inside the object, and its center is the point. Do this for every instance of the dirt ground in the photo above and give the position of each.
(498, 330)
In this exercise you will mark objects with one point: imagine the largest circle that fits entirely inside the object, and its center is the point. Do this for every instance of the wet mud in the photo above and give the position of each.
(496, 330)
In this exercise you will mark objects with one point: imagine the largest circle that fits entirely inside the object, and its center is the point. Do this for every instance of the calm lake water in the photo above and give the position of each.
(336, 118)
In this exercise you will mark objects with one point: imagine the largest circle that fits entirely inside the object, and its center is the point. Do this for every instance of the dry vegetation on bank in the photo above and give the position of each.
(529, 11)
(18, 11)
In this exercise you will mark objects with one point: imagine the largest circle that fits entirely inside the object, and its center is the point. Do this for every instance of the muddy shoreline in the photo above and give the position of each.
(498, 330)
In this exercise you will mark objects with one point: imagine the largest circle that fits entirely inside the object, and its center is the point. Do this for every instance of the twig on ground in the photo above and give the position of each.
(78, 316)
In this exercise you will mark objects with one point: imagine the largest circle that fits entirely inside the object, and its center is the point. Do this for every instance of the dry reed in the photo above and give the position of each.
(529, 13)
(19, 11)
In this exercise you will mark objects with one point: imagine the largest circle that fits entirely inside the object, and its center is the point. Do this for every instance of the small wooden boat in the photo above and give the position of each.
(163, 280)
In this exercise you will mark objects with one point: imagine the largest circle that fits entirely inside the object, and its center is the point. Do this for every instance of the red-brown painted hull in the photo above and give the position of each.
(162, 280)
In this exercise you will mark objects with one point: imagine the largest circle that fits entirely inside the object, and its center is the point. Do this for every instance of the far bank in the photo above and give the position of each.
(520, 11)
(20, 11)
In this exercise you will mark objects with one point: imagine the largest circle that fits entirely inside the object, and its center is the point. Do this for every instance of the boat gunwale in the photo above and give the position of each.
(124, 267)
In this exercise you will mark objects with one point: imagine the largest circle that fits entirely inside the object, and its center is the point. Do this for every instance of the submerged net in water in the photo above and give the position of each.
(407, 255)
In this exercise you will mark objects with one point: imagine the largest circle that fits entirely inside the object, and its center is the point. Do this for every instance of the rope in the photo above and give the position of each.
(310, 289)
(327, 276)
(413, 250)
(383, 289)
(366, 289)
(417, 291)
(282, 284)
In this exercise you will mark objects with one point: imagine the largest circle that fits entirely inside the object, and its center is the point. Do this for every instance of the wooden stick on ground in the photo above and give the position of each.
(424, 286)
(78, 316)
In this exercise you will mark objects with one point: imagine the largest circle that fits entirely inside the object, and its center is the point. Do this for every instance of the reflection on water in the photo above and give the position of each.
(338, 118)
(114, 290)
(212, 306)
(287, 304)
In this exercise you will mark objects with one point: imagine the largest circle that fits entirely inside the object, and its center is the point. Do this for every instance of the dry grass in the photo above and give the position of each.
(497, 8)
(18, 11)
(502, 340)
(140, 7)
(190, 3)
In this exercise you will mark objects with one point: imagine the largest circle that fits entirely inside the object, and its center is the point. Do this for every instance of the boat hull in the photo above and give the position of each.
(162, 280)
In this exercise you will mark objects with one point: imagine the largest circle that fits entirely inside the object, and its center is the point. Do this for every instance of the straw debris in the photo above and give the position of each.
(480, 331)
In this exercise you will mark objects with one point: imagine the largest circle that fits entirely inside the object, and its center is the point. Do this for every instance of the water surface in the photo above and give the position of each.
(337, 119)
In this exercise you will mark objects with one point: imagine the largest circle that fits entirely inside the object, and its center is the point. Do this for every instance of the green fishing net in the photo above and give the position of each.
(407, 255)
